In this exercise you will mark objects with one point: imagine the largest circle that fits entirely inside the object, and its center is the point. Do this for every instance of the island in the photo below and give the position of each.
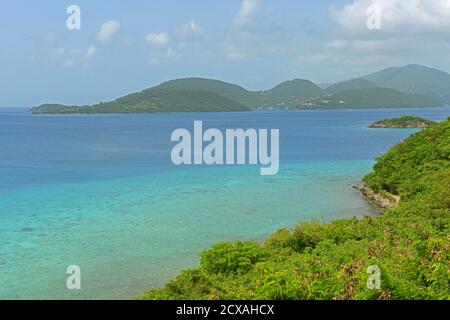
(406, 122)
(194, 95)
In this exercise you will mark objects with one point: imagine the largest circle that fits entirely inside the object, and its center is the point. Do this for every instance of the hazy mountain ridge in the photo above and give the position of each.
(414, 79)
(375, 97)
(355, 84)
(408, 86)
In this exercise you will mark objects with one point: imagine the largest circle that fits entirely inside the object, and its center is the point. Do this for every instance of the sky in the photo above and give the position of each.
(127, 46)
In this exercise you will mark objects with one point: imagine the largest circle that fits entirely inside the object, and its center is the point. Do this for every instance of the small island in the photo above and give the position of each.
(406, 122)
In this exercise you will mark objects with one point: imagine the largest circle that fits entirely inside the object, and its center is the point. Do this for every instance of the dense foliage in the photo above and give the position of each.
(409, 243)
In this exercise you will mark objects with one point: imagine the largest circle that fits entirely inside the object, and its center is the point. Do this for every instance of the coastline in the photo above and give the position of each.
(382, 200)
(330, 261)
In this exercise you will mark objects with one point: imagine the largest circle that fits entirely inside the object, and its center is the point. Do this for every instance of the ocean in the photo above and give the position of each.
(101, 192)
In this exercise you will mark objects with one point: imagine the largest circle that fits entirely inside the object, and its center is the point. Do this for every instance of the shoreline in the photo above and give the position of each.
(381, 200)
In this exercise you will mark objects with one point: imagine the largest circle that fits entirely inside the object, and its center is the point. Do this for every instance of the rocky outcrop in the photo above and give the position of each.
(383, 200)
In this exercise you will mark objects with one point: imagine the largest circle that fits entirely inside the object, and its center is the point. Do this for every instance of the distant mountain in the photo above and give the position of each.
(195, 95)
(409, 86)
(371, 98)
(355, 84)
(230, 91)
(284, 94)
(152, 101)
(291, 93)
(415, 79)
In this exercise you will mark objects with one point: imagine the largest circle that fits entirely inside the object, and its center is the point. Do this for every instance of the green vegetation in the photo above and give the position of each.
(409, 243)
(195, 95)
(403, 122)
(371, 98)
(151, 101)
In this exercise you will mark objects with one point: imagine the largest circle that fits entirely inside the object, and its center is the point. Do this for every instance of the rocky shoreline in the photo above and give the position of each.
(417, 125)
(384, 201)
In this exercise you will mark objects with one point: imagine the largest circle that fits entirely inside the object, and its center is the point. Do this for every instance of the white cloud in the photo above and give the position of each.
(91, 51)
(158, 39)
(246, 12)
(398, 17)
(241, 37)
(412, 31)
(108, 30)
(188, 31)
(163, 56)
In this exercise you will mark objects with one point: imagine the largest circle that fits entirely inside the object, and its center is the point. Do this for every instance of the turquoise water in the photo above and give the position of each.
(100, 192)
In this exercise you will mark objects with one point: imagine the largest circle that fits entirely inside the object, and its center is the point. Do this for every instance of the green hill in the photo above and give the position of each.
(415, 79)
(409, 244)
(371, 98)
(152, 101)
(230, 91)
(195, 95)
(355, 84)
(291, 93)
(284, 94)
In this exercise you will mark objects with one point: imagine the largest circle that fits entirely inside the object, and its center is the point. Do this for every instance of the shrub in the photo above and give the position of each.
(232, 258)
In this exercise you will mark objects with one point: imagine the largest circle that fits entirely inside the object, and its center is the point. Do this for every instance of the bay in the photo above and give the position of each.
(101, 192)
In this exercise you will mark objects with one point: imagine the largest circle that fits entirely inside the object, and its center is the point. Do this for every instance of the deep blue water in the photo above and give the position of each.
(101, 192)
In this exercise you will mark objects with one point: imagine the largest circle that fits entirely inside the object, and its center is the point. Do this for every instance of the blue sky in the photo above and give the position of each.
(126, 46)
